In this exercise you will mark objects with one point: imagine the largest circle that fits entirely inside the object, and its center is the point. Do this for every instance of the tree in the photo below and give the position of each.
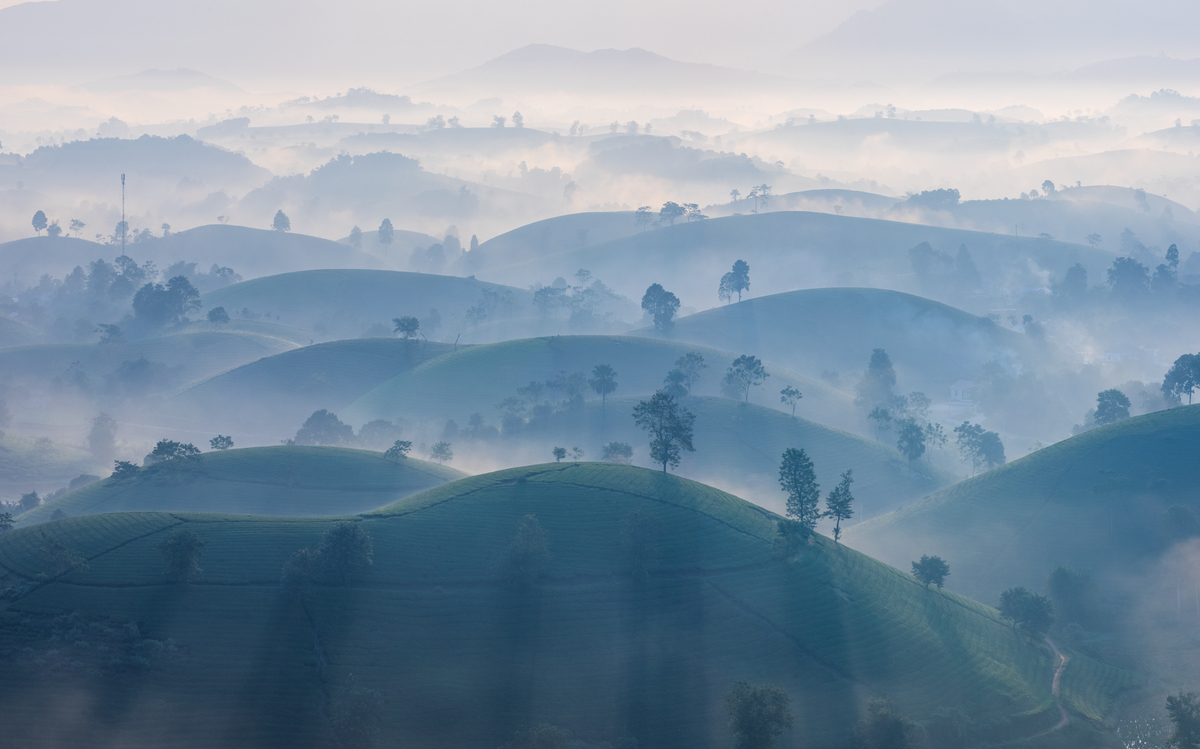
(1128, 278)
(498, 121)
(123, 471)
(218, 316)
(102, 439)
(518, 120)
(441, 452)
(991, 450)
(977, 448)
(690, 365)
(669, 427)
(324, 428)
(1173, 257)
(931, 570)
(911, 441)
(670, 211)
(559, 454)
(527, 555)
(39, 222)
(181, 552)
(662, 306)
(1184, 713)
(77, 226)
(6, 522)
(839, 505)
(28, 501)
(617, 452)
(746, 372)
(799, 480)
(877, 383)
(345, 549)
(673, 383)
(885, 727)
(220, 442)
(406, 326)
(386, 232)
(159, 305)
(54, 230)
(1111, 405)
(1182, 378)
(882, 419)
(1032, 612)
(725, 288)
(1075, 284)
(757, 714)
(172, 450)
(281, 222)
(356, 237)
(734, 194)
(740, 278)
(604, 381)
(399, 449)
(790, 396)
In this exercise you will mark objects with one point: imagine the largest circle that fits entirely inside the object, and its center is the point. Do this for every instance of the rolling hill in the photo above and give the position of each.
(542, 238)
(348, 303)
(738, 449)
(275, 394)
(1095, 501)
(432, 640)
(285, 480)
(931, 344)
(475, 379)
(28, 464)
(789, 250)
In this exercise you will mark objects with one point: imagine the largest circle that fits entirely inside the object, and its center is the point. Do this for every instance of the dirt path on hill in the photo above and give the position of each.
(1064, 718)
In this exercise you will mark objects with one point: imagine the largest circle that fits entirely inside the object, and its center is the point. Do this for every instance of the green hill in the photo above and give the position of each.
(931, 344)
(475, 379)
(277, 393)
(789, 250)
(1095, 501)
(282, 480)
(458, 658)
(739, 447)
(28, 464)
(349, 303)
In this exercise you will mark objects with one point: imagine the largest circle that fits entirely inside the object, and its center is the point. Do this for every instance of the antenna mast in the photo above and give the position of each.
(124, 226)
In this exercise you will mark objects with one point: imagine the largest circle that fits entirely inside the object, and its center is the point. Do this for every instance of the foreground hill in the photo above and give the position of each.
(454, 656)
(818, 330)
(1095, 501)
(275, 394)
(282, 480)
(475, 379)
(347, 303)
(739, 447)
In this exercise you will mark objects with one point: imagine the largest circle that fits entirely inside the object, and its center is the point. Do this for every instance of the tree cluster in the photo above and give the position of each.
(1032, 612)
(344, 550)
(735, 281)
(679, 381)
(745, 372)
(979, 447)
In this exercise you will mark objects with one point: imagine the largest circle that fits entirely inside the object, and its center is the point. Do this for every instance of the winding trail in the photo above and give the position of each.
(1063, 717)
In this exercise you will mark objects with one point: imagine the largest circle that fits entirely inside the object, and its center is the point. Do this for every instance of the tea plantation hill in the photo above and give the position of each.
(283, 480)
(460, 658)
(542, 238)
(348, 303)
(13, 333)
(29, 465)
(1095, 502)
(475, 379)
(739, 446)
(790, 250)
(931, 345)
(275, 394)
(250, 252)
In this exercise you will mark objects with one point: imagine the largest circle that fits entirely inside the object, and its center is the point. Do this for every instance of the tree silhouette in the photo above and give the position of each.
(1184, 712)
(1111, 405)
(839, 504)
(670, 211)
(690, 365)
(799, 480)
(1032, 612)
(669, 427)
(790, 396)
(386, 232)
(757, 714)
(931, 570)
(39, 222)
(911, 441)
(662, 306)
(406, 326)
(281, 222)
(746, 372)
(1182, 378)
(604, 381)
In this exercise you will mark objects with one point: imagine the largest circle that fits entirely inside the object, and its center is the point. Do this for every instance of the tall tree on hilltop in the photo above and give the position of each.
(662, 306)
(839, 504)
(386, 232)
(746, 372)
(798, 479)
(669, 427)
(604, 381)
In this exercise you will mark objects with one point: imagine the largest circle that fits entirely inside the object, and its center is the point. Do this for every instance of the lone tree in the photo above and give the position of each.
(1111, 406)
(356, 237)
(931, 570)
(220, 442)
(911, 441)
(671, 211)
(979, 447)
(324, 428)
(527, 555)
(345, 549)
(386, 232)
(798, 478)
(617, 452)
(281, 222)
(441, 452)
(839, 505)
(406, 326)
(559, 454)
(398, 450)
(690, 365)
(662, 306)
(735, 281)
(758, 714)
(39, 222)
(218, 316)
(1032, 612)
(181, 552)
(604, 381)
(1182, 378)
(790, 396)
(746, 372)
(669, 427)
(885, 727)
(877, 383)
(1184, 712)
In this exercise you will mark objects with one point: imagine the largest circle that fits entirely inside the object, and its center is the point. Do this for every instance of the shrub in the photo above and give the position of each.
(181, 552)
(345, 549)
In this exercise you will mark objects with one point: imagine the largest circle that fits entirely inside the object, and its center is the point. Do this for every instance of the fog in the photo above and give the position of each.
(542, 376)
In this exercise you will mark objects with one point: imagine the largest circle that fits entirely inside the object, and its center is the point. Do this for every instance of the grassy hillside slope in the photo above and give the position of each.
(1095, 501)
(931, 344)
(283, 390)
(739, 447)
(28, 464)
(13, 333)
(474, 379)
(280, 480)
(790, 250)
(458, 658)
(346, 303)
(553, 235)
